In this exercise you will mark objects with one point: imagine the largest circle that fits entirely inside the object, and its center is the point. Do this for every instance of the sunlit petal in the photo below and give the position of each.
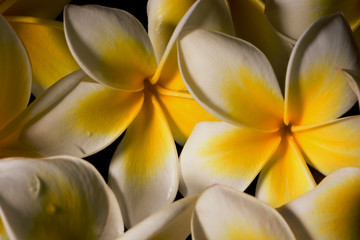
(15, 69)
(182, 113)
(291, 18)
(224, 213)
(75, 116)
(163, 16)
(217, 152)
(56, 198)
(171, 222)
(353, 79)
(49, 54)
(231, 79)
(316, 89)
(251, 25)
(144, 169)
(333, 145)
(210, 14)
(110, 45)
(285, 177)
(35, 8)
(330, 211)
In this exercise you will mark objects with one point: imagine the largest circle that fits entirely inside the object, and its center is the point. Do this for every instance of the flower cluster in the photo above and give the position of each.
(234, 119)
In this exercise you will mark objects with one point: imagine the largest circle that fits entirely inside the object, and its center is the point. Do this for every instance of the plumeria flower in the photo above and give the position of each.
(43, 37)
(291, 18)
(330, 211)
(56, 198)
(132, 86)
(262, 131)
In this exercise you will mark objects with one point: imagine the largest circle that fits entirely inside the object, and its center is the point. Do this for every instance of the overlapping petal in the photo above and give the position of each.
(353, 79)
(171, 222)
(182, 113)
(210, 14)
(231, 79)
(110, 45)
(217, 152)
(49, 54)
(291, 18)
(316, 89)
(330, 211)
(15, 80)
(75, 116)
(35, 8)
(285, 177)
(56, 198)
(144, 169)
(332, 145)
(224, 213)
(251, 25)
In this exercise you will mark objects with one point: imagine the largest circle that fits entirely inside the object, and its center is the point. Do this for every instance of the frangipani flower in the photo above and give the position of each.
(56, 198)
(291, 18)
(330, 211)
(262, 130)
(79, 116)
(43, 38)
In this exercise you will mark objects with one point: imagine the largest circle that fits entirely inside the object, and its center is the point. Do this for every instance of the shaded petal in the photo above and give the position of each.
(171, 222)
(330, 211)
(49, 54)
(163, 17)
(316, 91)
(251, 25)
(182, 113)
(217, 152)
(357, 36)
(353, 79)
(110, 45)
(75, 116)
(15, 80)
(224, 213)
(144, 169)
(333, 145)
(285, 177)
(56, 198)
(292, 18)
(231, 79)
(210, 14)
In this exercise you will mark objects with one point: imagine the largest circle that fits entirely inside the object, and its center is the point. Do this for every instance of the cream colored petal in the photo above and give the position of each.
(292, 18)
(163, 17)
(35, 8)
(330, 211)
(333, 145)
(110, 45)
(182, 113)
(231, 79)
(316, 89)
(210, 14)
(285, 177)
(49, 54)
(75, 116)
(171, 222)
(353, 79)
(15, 69)
(251, 25)
(224, 213)
(56, 198)
(217, 152)
(144, 169)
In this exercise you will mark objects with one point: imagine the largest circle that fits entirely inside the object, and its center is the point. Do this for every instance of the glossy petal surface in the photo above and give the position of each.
(119, 55)
(231, 79)
(49, 54)
(217, 152)
(330, 211)
(144, 169)
(316, 89)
